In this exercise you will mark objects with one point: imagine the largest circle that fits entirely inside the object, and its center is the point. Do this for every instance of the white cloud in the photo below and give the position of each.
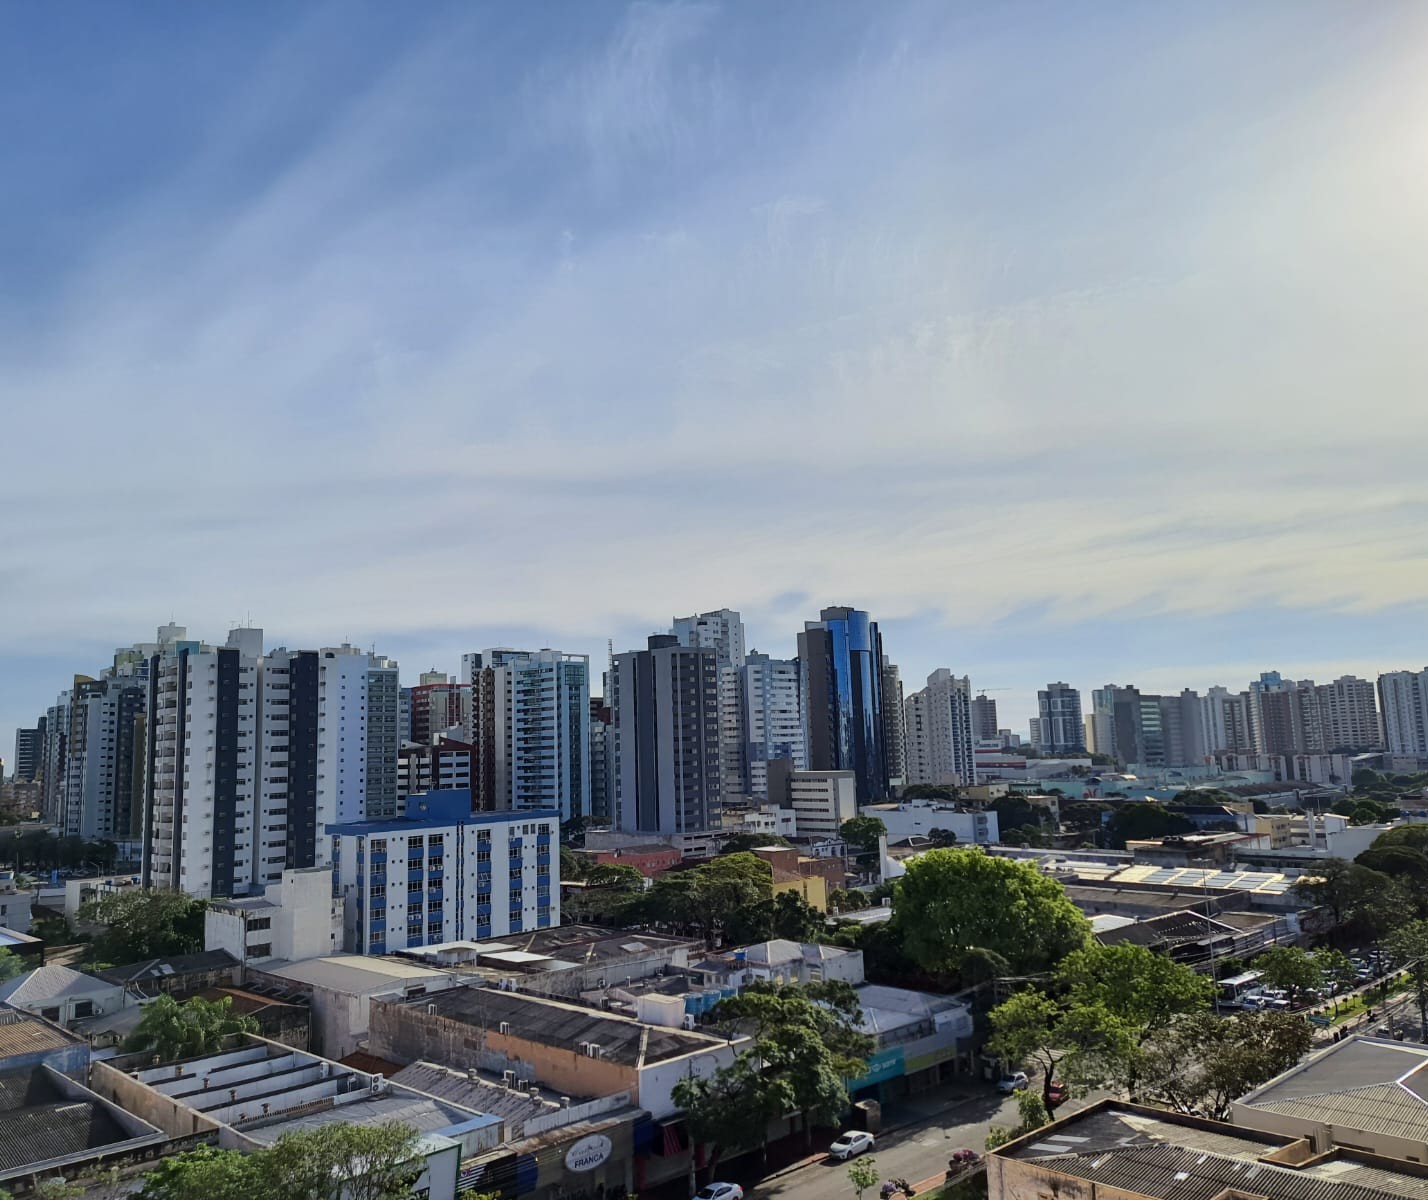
(925, 341)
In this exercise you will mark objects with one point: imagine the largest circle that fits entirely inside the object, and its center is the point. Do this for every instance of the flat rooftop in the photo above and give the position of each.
(551, 1023)
(355, 973)
(1159, 1154)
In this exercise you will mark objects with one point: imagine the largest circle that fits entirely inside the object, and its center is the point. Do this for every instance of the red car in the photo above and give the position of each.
(1057, 1093)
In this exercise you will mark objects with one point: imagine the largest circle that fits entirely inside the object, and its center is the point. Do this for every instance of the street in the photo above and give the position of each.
(925, 1130)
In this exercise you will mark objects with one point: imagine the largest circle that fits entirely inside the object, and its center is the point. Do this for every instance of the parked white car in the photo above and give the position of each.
(851, 1144)
(720, 1191)
(1012, 1081)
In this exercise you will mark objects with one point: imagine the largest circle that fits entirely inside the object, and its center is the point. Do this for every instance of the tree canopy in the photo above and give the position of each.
(197, 1026)
(952, 901)
(1096, 1014)
(354, 1162)
(1204, 1062)
(805, 1045)
(1144, 819)
(144, 923)
(1290, 968)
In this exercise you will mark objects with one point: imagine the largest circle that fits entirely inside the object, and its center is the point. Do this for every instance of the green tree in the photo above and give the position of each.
(793, 918)
(144, 923)
(1409, 945)
(1332, 887)
(862, 834)
(950, 901)
(618, 876)
(195, 1027)
(930, 791)
(11, 965)
(209, 1173)
(1335, 968)
(1289, 968)
(805, 1043)
(941, 839)
(1145, 990)
(1036, 1033)
(728, 1110)
(841, 901)
(1204, 1063)
(573, 864)
(863, 1174)
(353, 1162)
(808, 1040)
(741, 843)
(1139, 819)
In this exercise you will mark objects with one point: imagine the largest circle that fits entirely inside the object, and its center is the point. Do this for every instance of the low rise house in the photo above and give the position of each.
(177, 973)
(340, 989)
(63, 995)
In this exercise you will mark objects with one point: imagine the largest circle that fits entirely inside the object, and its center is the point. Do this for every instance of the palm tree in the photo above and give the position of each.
(196, 1027)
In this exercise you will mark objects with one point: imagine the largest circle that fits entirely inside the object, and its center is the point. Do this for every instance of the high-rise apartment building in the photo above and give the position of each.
(772, 726)
(723, 631)
(1348, 716)
(602, 785)
(1225, 722)
(29, 752)
(104, 762)
(940, 746)
(438, 706)
(984, 718)
(1059, 714)
(1403, 704)
(250, 756)
(664, 703)
(840, 660)
(529, 727)
(894, 733)
(444, 767)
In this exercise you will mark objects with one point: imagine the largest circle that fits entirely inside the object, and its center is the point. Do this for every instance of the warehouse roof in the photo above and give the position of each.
(1163, 1155)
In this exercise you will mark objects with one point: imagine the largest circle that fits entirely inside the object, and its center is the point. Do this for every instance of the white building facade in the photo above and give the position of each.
(772, 725)
(938, 724)
(1403, 704)
(442, 874)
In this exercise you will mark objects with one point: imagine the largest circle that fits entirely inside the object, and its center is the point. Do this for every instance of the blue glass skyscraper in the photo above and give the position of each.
(840, 665)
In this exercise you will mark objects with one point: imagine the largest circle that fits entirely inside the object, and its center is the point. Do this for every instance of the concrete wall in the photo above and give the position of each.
(147, 1104)
(656, 1082)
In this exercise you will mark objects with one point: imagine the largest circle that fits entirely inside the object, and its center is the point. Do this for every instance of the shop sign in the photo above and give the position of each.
(588, 1153)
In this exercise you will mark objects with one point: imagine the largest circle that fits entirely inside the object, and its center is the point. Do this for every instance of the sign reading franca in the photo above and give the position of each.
(588, 1153)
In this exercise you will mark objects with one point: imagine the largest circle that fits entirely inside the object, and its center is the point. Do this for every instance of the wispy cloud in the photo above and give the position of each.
(507, 322)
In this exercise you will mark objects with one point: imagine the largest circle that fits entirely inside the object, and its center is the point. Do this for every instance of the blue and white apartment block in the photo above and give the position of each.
(442, 873)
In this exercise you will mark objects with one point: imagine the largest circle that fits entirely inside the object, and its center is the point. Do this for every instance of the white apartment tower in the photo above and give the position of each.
(1403, 703)
(938, 720)
(252, 755)
(772, 724)
(723, 632)
(529, 730)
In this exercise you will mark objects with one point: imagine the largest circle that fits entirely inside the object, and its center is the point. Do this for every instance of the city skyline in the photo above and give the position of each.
(1072, 343)
(1011, 702)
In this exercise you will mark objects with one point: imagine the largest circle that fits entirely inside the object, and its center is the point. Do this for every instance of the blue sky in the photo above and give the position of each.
(1076, 341)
